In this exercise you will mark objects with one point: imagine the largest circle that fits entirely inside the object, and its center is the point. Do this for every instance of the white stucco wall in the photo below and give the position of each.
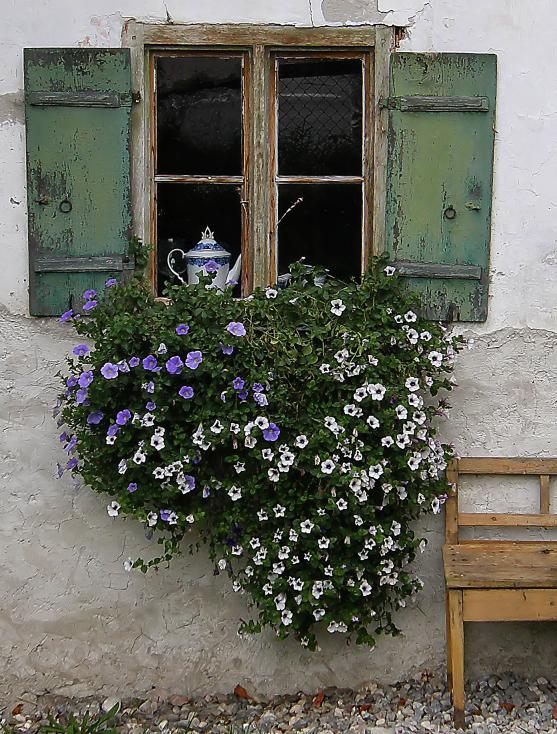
(71, 620)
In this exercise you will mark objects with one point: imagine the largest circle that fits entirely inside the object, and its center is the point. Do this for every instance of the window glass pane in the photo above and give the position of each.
(320, 117)
(199, 115)
(325, 227)
(184, 210)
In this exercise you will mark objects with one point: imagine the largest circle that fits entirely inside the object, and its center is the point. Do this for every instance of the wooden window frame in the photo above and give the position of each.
(261, 42)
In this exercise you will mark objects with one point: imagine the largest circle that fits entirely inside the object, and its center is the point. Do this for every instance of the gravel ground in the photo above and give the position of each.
(495, 705)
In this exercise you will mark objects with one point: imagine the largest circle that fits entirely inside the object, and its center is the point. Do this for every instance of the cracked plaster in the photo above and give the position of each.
(71, 620)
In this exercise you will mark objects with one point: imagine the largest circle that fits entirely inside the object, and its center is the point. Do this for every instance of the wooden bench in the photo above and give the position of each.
(496, 580)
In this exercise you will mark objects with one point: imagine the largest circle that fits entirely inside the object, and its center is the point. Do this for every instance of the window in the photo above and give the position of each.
(270, 146)
(387, 152)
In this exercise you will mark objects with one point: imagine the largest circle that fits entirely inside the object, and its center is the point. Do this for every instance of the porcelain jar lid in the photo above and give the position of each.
(207, 247)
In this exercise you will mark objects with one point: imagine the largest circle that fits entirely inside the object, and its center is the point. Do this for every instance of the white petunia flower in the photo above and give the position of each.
(222, 564)
(237, 550)
(328, 466)
(278, 568)
(301, 441)
(425, 336)
(401, 412)
(110, 440)
(152, 518)
(323, 543)
(342, 355)
(436, 358)
(268, 589)
(293, 536)
(337, 307)
(273, 474)
(261, 422)
(402, 440)
(234, 428)
(365, 588)
(325, 368)
(239, 466)
(250, 442)
(262, 515)
(352, 410)
(375, 471)
(280, 601)
(372, 422)
(410, 317)
(139, 457)
(360, 394)
(306, 526)
(413, 384)
(234, 493)
(217, 427)
(318, 614)
(317, 589)
(113, 509)
(342, 504)
(157, 442)
(415, 400)
(284, 553)
(267, 454)
(279, 510)
(377, 391)
(128, 564)
(387, 441)
(395, 528)
(389, 270)
(122, 467)
(271, 292)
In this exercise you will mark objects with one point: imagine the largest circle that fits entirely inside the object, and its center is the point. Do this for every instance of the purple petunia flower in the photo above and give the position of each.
(150, 406)
(88, 295)
(134, 361)
(150, 387)
(109, 371)
(182, 329)
(71, 445)
(272, 432)
(63, 437)
(95, 417)
(132, 487)
(186, 392)
(227, 348)
(123, 366)
(90, 305)
(174, 365)
(165, 515)
(189, 482)
(150, 363)
(113, 430)
(223, 396)
(66, 316)
(111, 282)
(123, 416)
(71, 381)
(257, 387)
(238, 383)
(85, 379)
(81, 350)
(72, 463)
(261, 399)
(243, 395)
(194, 359)
(211, 266)
(236, 328)
(81, 395)
(59, 470)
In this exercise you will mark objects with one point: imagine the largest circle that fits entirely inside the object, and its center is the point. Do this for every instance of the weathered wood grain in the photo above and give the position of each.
(510, 605)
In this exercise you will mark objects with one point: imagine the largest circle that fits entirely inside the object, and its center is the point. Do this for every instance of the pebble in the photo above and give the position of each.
(505, 704)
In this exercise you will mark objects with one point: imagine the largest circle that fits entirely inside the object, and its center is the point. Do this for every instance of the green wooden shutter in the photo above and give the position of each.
(439, 178)
(78, 104)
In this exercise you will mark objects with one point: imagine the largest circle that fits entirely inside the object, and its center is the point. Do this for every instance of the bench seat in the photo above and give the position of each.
(503, 565)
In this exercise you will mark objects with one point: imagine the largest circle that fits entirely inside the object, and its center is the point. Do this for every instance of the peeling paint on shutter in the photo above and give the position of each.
(78, 104)
(439, 173)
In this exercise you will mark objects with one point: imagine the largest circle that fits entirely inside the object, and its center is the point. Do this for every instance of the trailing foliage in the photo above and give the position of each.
(293, 431)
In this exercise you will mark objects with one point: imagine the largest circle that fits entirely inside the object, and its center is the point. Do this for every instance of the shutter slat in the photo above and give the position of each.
(439, 178)
(78, 171)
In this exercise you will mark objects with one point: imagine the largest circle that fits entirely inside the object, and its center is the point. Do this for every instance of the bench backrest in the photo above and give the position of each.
(454, 519)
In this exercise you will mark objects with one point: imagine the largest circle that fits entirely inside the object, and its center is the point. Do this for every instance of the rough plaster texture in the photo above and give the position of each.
(71, 620)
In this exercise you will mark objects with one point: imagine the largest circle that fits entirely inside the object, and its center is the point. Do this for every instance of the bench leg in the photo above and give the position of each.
(455, 629)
